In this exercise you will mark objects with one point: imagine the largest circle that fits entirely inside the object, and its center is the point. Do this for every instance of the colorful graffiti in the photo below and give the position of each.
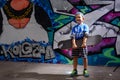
(103, 18)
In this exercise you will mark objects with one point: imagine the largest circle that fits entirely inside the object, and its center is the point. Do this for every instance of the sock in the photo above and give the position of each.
(75, 69)
(85, 69)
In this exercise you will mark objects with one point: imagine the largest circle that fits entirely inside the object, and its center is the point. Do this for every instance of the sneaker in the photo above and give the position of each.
(85, 73)
(74, 73)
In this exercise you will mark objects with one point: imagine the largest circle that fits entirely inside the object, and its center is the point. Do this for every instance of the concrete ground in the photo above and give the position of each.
(42, 71)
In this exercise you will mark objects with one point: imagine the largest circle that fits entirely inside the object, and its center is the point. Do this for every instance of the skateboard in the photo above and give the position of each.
(91, 41)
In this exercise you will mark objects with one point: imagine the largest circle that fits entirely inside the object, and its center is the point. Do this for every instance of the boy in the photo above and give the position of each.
(80, 31)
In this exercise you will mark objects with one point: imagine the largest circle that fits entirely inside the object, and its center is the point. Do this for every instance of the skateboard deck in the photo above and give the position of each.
(91, 41)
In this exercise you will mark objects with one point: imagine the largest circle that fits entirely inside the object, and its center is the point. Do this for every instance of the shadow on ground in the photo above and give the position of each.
(36, 76)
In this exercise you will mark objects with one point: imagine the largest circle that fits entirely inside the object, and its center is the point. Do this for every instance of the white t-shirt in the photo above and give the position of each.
(33, 31)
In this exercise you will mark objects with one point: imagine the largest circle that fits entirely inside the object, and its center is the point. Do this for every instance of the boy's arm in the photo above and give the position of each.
(84, 39)
(74, 43)
(84, 42)
(86, 33)
(73, 39)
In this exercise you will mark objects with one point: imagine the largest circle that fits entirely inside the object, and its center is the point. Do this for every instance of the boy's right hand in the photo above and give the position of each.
(74, 44)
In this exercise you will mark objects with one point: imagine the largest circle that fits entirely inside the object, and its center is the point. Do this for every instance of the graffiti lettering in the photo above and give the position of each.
(28, 50)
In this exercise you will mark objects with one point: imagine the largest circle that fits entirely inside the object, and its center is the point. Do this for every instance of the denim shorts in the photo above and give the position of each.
(80, 52)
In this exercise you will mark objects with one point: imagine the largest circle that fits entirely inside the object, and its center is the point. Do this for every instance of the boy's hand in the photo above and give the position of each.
(84, 42)
(74, 46)
(83, 45)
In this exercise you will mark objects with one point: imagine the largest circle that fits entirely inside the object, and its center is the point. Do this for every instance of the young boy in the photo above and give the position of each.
(80, 31)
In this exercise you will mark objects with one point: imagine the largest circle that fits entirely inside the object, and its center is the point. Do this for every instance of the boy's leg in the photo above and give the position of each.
(85, 72)
(75, 63)
(85, 62)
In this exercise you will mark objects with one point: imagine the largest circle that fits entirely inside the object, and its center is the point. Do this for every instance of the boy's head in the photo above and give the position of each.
(79, 17)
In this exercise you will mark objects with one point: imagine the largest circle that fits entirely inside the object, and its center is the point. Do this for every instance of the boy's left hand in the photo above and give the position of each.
(83, 45)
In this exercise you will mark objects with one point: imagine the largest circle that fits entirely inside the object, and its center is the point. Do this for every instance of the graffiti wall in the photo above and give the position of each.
(30, 30)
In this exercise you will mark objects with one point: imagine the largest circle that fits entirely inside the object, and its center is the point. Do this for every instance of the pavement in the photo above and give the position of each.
(47, 71)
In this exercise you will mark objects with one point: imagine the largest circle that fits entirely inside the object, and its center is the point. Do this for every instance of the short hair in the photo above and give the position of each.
(79, 13)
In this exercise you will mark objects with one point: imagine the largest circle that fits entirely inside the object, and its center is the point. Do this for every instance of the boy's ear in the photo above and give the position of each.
(83, 18)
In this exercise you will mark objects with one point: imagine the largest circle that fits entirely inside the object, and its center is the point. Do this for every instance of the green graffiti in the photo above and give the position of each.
(62, 20)
(69, 61)
(61, 17)
(60, 25)
(84, 9)
(108, 53)
(116, 22)
(50, 36)
(65, 60)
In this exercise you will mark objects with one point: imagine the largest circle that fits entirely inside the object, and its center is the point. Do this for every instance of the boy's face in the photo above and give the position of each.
(79, 18)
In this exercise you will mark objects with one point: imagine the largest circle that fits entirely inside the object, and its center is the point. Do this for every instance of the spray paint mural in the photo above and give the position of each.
(24, 32)
(34, 33)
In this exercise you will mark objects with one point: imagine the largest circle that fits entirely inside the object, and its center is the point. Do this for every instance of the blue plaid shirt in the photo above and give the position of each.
(79, 31)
